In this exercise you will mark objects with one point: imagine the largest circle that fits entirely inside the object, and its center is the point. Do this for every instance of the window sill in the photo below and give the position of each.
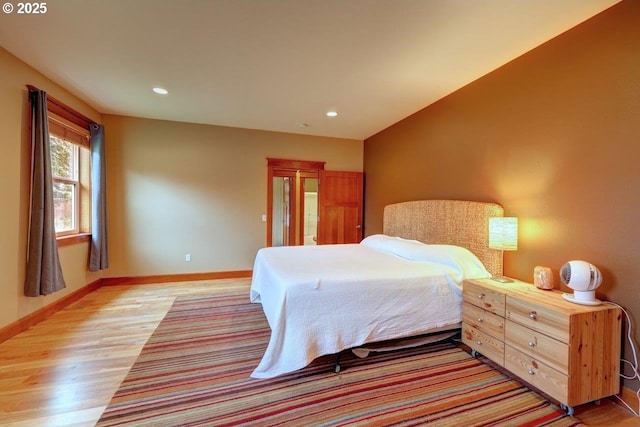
(73, 239)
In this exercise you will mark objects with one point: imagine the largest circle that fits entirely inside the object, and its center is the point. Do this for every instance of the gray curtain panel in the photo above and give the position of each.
(44, 274)
(99, 257)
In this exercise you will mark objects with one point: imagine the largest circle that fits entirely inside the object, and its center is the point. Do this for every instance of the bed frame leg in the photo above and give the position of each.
(336, 368)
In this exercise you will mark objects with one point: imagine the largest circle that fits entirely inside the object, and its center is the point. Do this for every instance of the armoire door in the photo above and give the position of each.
(340, 207)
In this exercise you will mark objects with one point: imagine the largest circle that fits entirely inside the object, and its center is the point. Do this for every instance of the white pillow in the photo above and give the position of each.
(390, 244)
(453, 256)
(376, 241)
(457, 257)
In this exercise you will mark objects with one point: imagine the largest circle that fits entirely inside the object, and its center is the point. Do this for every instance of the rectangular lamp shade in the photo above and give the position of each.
(503, 233)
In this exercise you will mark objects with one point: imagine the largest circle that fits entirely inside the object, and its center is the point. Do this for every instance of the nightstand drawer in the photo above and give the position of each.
(485, 321)
(488, 299)
(483, 343)
(537, 345)
(539, 318)
(537, 374)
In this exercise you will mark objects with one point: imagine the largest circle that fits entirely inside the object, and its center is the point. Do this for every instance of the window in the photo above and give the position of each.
(70, 172)
(70, 146)
(64, 173)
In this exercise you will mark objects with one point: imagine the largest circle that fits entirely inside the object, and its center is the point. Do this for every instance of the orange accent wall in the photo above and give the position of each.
(553, 136)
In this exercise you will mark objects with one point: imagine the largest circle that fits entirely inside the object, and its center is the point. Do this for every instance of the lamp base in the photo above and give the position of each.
(502, 279)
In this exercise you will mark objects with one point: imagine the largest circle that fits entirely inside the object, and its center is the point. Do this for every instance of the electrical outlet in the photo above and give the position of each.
(187, 257)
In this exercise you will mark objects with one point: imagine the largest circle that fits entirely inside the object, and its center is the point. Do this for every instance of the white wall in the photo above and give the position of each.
(177, 188)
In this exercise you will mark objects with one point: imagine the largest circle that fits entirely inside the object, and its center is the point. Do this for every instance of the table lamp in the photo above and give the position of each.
(503, 236)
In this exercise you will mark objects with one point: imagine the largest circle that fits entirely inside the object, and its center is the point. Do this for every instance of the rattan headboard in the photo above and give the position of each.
(449, 222)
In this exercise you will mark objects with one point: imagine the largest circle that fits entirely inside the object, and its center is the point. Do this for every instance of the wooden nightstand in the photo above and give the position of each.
(568, 351)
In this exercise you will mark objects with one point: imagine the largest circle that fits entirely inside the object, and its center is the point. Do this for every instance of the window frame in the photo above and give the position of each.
(73, 126)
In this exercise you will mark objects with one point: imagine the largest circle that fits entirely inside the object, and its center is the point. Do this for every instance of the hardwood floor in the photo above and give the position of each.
(64, 370)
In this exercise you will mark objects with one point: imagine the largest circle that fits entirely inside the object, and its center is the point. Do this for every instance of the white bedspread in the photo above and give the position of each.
(324, 299)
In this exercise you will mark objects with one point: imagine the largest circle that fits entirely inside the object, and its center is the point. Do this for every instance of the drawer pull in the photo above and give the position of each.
(532, 344)
(481, 296)
(531, 372)
(533, 315)
(479, 342)
(480, 319)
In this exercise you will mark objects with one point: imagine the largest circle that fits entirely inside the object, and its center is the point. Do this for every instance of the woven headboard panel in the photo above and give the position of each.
(447, 222)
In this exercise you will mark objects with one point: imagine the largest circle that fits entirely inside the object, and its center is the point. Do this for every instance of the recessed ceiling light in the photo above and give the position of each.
(332, 113)
(160, 91)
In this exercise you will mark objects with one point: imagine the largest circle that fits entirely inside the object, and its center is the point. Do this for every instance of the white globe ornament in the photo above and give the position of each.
(583, 278)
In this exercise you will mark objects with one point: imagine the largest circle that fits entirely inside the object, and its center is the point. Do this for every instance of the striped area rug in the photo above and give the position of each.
(194, 370)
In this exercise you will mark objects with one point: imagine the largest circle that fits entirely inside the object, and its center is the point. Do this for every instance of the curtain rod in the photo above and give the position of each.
(62, 109)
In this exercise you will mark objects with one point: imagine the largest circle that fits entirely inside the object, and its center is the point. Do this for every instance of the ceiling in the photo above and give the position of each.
(280, 65)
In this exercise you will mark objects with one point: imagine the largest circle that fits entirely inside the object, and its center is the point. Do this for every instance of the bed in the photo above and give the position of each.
(405, 282)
